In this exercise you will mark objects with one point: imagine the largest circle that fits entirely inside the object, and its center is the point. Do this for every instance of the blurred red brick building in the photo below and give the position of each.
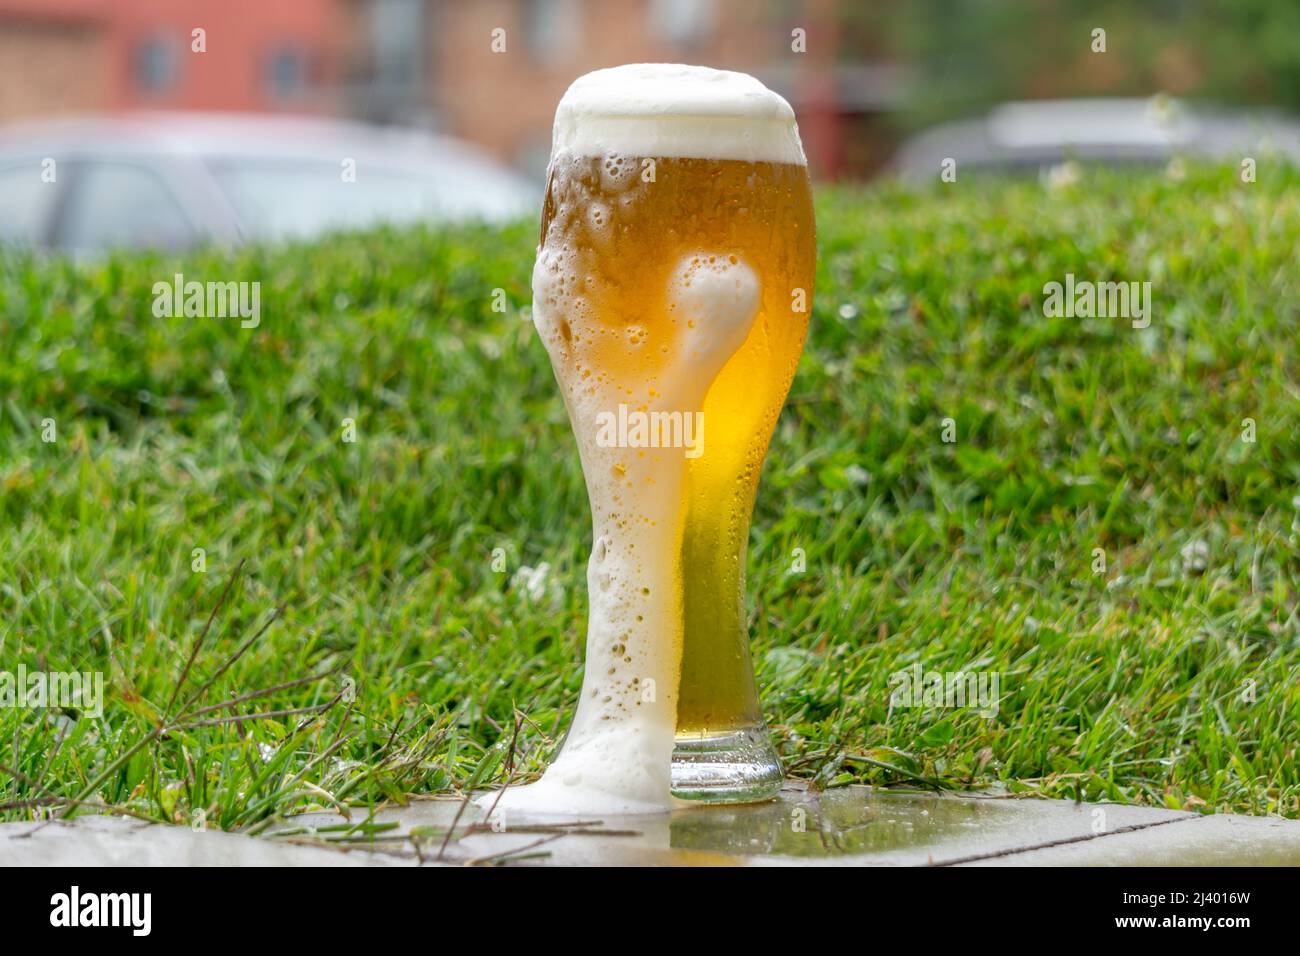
(433, 62)
(85, 55)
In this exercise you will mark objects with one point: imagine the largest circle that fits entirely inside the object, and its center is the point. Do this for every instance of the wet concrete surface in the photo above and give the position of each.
(122, 841)
(1201, 841)
(853, 826)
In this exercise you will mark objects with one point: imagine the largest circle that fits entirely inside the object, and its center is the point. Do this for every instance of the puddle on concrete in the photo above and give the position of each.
(832, 824)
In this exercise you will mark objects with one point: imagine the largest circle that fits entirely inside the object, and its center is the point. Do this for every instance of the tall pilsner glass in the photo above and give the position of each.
(672, 289)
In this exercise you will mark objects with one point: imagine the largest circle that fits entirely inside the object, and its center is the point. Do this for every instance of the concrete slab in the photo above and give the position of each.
(853, 826)
(1222, 840)
(122, 841)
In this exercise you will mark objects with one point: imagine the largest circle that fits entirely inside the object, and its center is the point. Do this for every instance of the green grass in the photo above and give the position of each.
(1072, 435)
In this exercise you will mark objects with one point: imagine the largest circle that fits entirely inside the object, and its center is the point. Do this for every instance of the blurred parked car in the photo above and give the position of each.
(176, 180)
(1036, 135)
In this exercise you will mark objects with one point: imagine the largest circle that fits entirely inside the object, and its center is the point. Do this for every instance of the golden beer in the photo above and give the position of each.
(760, 213)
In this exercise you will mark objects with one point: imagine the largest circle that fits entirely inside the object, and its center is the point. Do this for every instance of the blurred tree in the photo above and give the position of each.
(967, 54)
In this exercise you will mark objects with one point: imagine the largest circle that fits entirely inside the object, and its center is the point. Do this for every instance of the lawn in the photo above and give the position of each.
(1100, 533)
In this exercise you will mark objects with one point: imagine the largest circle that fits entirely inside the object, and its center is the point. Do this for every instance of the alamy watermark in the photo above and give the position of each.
(208, 300)
(629, 428)
(917, 687)
(133, 911)
(82, 691)
(1086, 299)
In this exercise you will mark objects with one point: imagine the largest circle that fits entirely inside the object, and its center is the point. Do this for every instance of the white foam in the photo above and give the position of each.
(714, 300)
(672, 110)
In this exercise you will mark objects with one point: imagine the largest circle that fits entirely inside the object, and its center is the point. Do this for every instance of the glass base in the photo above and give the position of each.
(738, 767)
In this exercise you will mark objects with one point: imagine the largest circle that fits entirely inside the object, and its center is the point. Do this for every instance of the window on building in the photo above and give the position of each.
(286, 72)
(554, 29)
(155, 65)
(398, 36)
(683, 23)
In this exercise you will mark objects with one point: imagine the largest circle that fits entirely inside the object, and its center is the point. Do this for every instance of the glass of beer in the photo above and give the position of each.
(672, 288)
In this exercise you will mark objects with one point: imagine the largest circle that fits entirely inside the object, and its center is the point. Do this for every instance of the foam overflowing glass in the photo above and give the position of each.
(671, 290)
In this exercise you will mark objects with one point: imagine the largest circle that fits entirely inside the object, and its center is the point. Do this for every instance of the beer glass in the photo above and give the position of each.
(671, 290)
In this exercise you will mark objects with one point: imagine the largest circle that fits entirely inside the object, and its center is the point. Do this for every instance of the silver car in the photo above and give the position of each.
(1036, 135)
(172, 181)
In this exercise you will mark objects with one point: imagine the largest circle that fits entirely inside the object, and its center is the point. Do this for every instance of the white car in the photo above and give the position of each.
(171, 181)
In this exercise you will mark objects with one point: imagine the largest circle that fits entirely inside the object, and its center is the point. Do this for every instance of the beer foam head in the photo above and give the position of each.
(671, 110)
